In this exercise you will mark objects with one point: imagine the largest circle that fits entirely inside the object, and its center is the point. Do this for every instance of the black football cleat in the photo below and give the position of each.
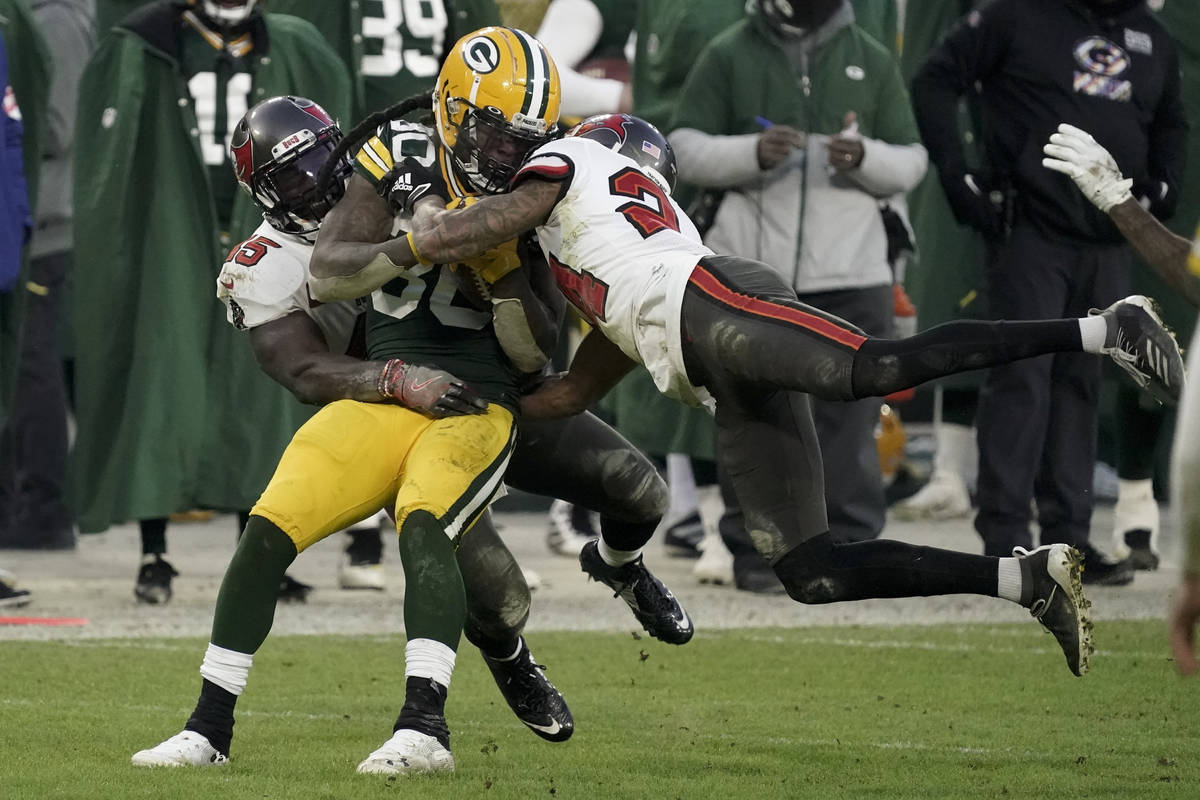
(1140, 344)
(651, 602)
(1053, 593)
(531, 696)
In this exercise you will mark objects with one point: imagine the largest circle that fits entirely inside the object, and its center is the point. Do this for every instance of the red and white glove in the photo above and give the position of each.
(431, 391)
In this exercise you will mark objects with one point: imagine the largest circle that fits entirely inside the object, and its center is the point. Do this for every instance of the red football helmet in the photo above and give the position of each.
(634, 138)
(277, 150)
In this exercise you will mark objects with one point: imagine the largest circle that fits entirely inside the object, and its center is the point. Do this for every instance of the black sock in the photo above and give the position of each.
(424, 709)
(883, 366)
(213, 717)
(154, 535)
(822, 571)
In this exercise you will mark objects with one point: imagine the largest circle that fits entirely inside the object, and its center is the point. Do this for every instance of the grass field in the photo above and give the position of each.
(851, 712)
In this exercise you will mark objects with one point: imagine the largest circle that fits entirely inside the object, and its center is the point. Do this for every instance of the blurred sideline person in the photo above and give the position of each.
(804, 162)
(15, 224)
(23, 115)
(1075, 153)
(579, 32)
(33, 449)
(167, 399)
(1106, 65)
(946, 281)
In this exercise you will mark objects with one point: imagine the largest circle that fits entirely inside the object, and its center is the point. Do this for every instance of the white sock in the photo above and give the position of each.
(428, 658)
(1136, 509)
(615, 558)
(682, 486)
(1008, 579)
(515, 653)
(1093, 331)
(228, 669)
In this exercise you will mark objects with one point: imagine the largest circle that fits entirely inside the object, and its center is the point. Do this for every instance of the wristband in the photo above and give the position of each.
(412, 245)
(391, 374)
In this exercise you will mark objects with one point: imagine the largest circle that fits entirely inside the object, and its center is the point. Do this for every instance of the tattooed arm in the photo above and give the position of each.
(355, 253)
(445, 237)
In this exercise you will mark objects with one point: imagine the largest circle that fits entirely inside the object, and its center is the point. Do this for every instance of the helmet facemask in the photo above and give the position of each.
(287, 189)
(488, 149)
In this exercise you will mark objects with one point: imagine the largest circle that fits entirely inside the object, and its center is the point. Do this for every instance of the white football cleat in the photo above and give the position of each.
(944, 497)
(361, 576)
(406, 753)
(715, 564)
(185, 749)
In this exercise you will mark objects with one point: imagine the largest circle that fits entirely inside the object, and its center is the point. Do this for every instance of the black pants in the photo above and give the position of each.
(1037, 418)
(33, 447)
(761, 352)
(585, 461)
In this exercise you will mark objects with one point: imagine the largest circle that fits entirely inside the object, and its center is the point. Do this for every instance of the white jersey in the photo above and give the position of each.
(266, 277)
(621, 251)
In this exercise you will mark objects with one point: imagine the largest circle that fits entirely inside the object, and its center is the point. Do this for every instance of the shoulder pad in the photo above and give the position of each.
(262, 271)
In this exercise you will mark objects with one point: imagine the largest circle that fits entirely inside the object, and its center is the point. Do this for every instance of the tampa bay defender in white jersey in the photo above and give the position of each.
(731, 327)
(621, 256)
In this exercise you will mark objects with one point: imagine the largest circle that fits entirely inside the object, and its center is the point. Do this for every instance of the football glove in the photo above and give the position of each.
(1074, 153)
(431, 391)
(408, 182)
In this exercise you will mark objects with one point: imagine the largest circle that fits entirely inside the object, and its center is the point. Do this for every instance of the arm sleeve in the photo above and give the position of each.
(971, 52)
(73, 38)
(1167, 152)
(706, 151)
(889, 169)
(893, 159)
(570, 30)
(715, 162)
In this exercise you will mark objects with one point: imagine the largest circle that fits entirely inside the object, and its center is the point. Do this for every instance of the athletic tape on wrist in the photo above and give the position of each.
(412, 245)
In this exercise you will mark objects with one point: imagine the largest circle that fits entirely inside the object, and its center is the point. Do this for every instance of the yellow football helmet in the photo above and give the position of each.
(496, 99)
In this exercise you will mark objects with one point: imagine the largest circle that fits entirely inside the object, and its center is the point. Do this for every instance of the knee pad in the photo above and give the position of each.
(635, 491)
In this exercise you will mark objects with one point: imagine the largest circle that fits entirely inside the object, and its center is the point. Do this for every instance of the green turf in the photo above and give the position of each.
(975, 711)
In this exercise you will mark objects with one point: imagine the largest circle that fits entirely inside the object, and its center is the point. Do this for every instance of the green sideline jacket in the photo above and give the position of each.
(29, 73)
(173, 412)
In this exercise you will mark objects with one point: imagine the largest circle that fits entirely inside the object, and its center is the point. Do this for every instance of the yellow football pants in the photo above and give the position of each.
(351, 459)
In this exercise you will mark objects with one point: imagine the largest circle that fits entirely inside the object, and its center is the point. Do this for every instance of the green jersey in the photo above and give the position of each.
(421, 317)
(403, 43)
(219, 76)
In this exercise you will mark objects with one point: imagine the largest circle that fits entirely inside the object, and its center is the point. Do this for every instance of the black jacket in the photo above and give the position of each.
(1036, 63)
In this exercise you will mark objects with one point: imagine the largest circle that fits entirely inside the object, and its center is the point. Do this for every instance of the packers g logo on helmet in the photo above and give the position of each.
(497, 99)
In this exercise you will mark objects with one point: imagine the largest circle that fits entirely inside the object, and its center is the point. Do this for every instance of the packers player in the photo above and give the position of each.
(724, 332)
(473, 149)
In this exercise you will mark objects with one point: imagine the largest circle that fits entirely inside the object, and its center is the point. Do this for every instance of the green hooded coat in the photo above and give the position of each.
(173, 412)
